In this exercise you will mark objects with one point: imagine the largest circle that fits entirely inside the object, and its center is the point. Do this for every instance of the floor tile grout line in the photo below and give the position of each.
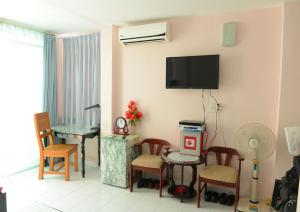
(49, 206)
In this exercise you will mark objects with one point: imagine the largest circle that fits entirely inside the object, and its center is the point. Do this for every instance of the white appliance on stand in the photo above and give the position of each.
(191, 137)
(255, 142)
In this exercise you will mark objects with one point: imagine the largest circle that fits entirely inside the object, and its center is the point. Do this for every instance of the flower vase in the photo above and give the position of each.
(131, 129)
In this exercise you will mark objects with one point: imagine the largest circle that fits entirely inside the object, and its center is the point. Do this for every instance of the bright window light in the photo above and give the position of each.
(21, 80)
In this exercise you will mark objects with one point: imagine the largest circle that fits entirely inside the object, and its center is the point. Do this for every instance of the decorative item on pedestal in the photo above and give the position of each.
(121, 127)
(131, 129)
(133, 115)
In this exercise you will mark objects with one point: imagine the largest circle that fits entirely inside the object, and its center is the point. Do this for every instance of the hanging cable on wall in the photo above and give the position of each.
(216, 120)
(219, 117)
(204, 117)
(214, 98)
(221, 130)
(203, 106)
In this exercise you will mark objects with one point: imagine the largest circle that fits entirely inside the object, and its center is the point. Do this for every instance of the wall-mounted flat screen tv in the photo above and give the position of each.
(194, 72)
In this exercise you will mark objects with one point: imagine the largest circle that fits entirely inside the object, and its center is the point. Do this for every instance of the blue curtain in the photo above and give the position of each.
(50, 79)
(81, 79)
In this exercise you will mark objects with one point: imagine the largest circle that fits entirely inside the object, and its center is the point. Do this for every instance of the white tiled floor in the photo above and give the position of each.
(26, 193)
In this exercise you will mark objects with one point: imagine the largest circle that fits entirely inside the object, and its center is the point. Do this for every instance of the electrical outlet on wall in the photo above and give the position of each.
(217, 107)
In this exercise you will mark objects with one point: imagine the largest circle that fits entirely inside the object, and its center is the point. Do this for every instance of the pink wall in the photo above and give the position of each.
(289, 114)
(249, 79)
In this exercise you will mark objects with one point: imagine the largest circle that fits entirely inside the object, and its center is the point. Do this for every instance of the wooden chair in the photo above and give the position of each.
(150, 162)
(222, 175)
(42, 128)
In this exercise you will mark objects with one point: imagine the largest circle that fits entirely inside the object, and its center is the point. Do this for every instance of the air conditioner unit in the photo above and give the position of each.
(145, 33)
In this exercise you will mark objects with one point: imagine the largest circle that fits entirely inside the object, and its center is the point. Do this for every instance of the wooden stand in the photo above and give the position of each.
(180, 190)
(183, 191)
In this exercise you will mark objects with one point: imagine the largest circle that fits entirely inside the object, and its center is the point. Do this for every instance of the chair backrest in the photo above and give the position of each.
(219, 151)
(156, 145)
(42, 128)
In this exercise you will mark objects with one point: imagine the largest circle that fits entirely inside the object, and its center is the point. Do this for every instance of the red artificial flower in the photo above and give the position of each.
(139, 114)
(128, 114)
(132, 114)
(133, 108)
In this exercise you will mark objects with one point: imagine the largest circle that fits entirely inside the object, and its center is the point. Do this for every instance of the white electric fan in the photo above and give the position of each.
(255, 142)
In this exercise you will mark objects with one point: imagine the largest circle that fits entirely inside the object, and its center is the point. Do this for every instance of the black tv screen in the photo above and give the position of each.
(195, 72)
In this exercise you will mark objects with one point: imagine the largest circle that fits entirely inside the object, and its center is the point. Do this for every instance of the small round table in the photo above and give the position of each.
(175, 158)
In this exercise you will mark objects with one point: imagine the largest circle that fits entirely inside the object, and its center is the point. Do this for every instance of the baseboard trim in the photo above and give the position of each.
(91, 163)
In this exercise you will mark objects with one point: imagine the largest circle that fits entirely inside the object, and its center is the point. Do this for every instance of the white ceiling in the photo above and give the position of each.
(67, 16)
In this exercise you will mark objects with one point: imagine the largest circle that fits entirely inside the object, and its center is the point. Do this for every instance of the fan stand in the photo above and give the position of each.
(257, 142)
(245, 206)
(252, 204)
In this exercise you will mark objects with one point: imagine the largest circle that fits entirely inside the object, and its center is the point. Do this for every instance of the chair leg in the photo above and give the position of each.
(41, 168)
(51, 167)
(236, 198)
(160, 181)
(238, 191)
(199, 193)
(131, 178)
(140, 175)
(76, 161)
(67, 168)
(168, 174)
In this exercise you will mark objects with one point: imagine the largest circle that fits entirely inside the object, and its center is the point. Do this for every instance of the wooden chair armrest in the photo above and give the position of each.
(167, 147)
(138, 144)
(241, 159)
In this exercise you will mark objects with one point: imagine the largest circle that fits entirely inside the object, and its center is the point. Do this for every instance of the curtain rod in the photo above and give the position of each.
(69, 35)
(30, 27)
(64, 35)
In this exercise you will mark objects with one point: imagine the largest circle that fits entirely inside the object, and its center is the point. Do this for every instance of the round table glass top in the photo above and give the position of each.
(176, 156)
(182, 159)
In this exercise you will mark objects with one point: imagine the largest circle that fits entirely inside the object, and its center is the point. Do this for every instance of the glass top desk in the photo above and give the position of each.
(82, 131)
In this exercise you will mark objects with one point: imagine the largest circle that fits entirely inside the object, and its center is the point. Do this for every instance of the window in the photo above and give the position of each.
(21, 78)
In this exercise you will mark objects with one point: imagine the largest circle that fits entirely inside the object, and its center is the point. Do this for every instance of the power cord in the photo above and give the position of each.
(204, 117)
(220, 121)
(216, 131)
(203, 106)
(221, 129)
(217, 114)
(217, 102)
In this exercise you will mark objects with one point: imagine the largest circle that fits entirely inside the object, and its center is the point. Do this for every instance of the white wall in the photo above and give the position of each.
(289, 112)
